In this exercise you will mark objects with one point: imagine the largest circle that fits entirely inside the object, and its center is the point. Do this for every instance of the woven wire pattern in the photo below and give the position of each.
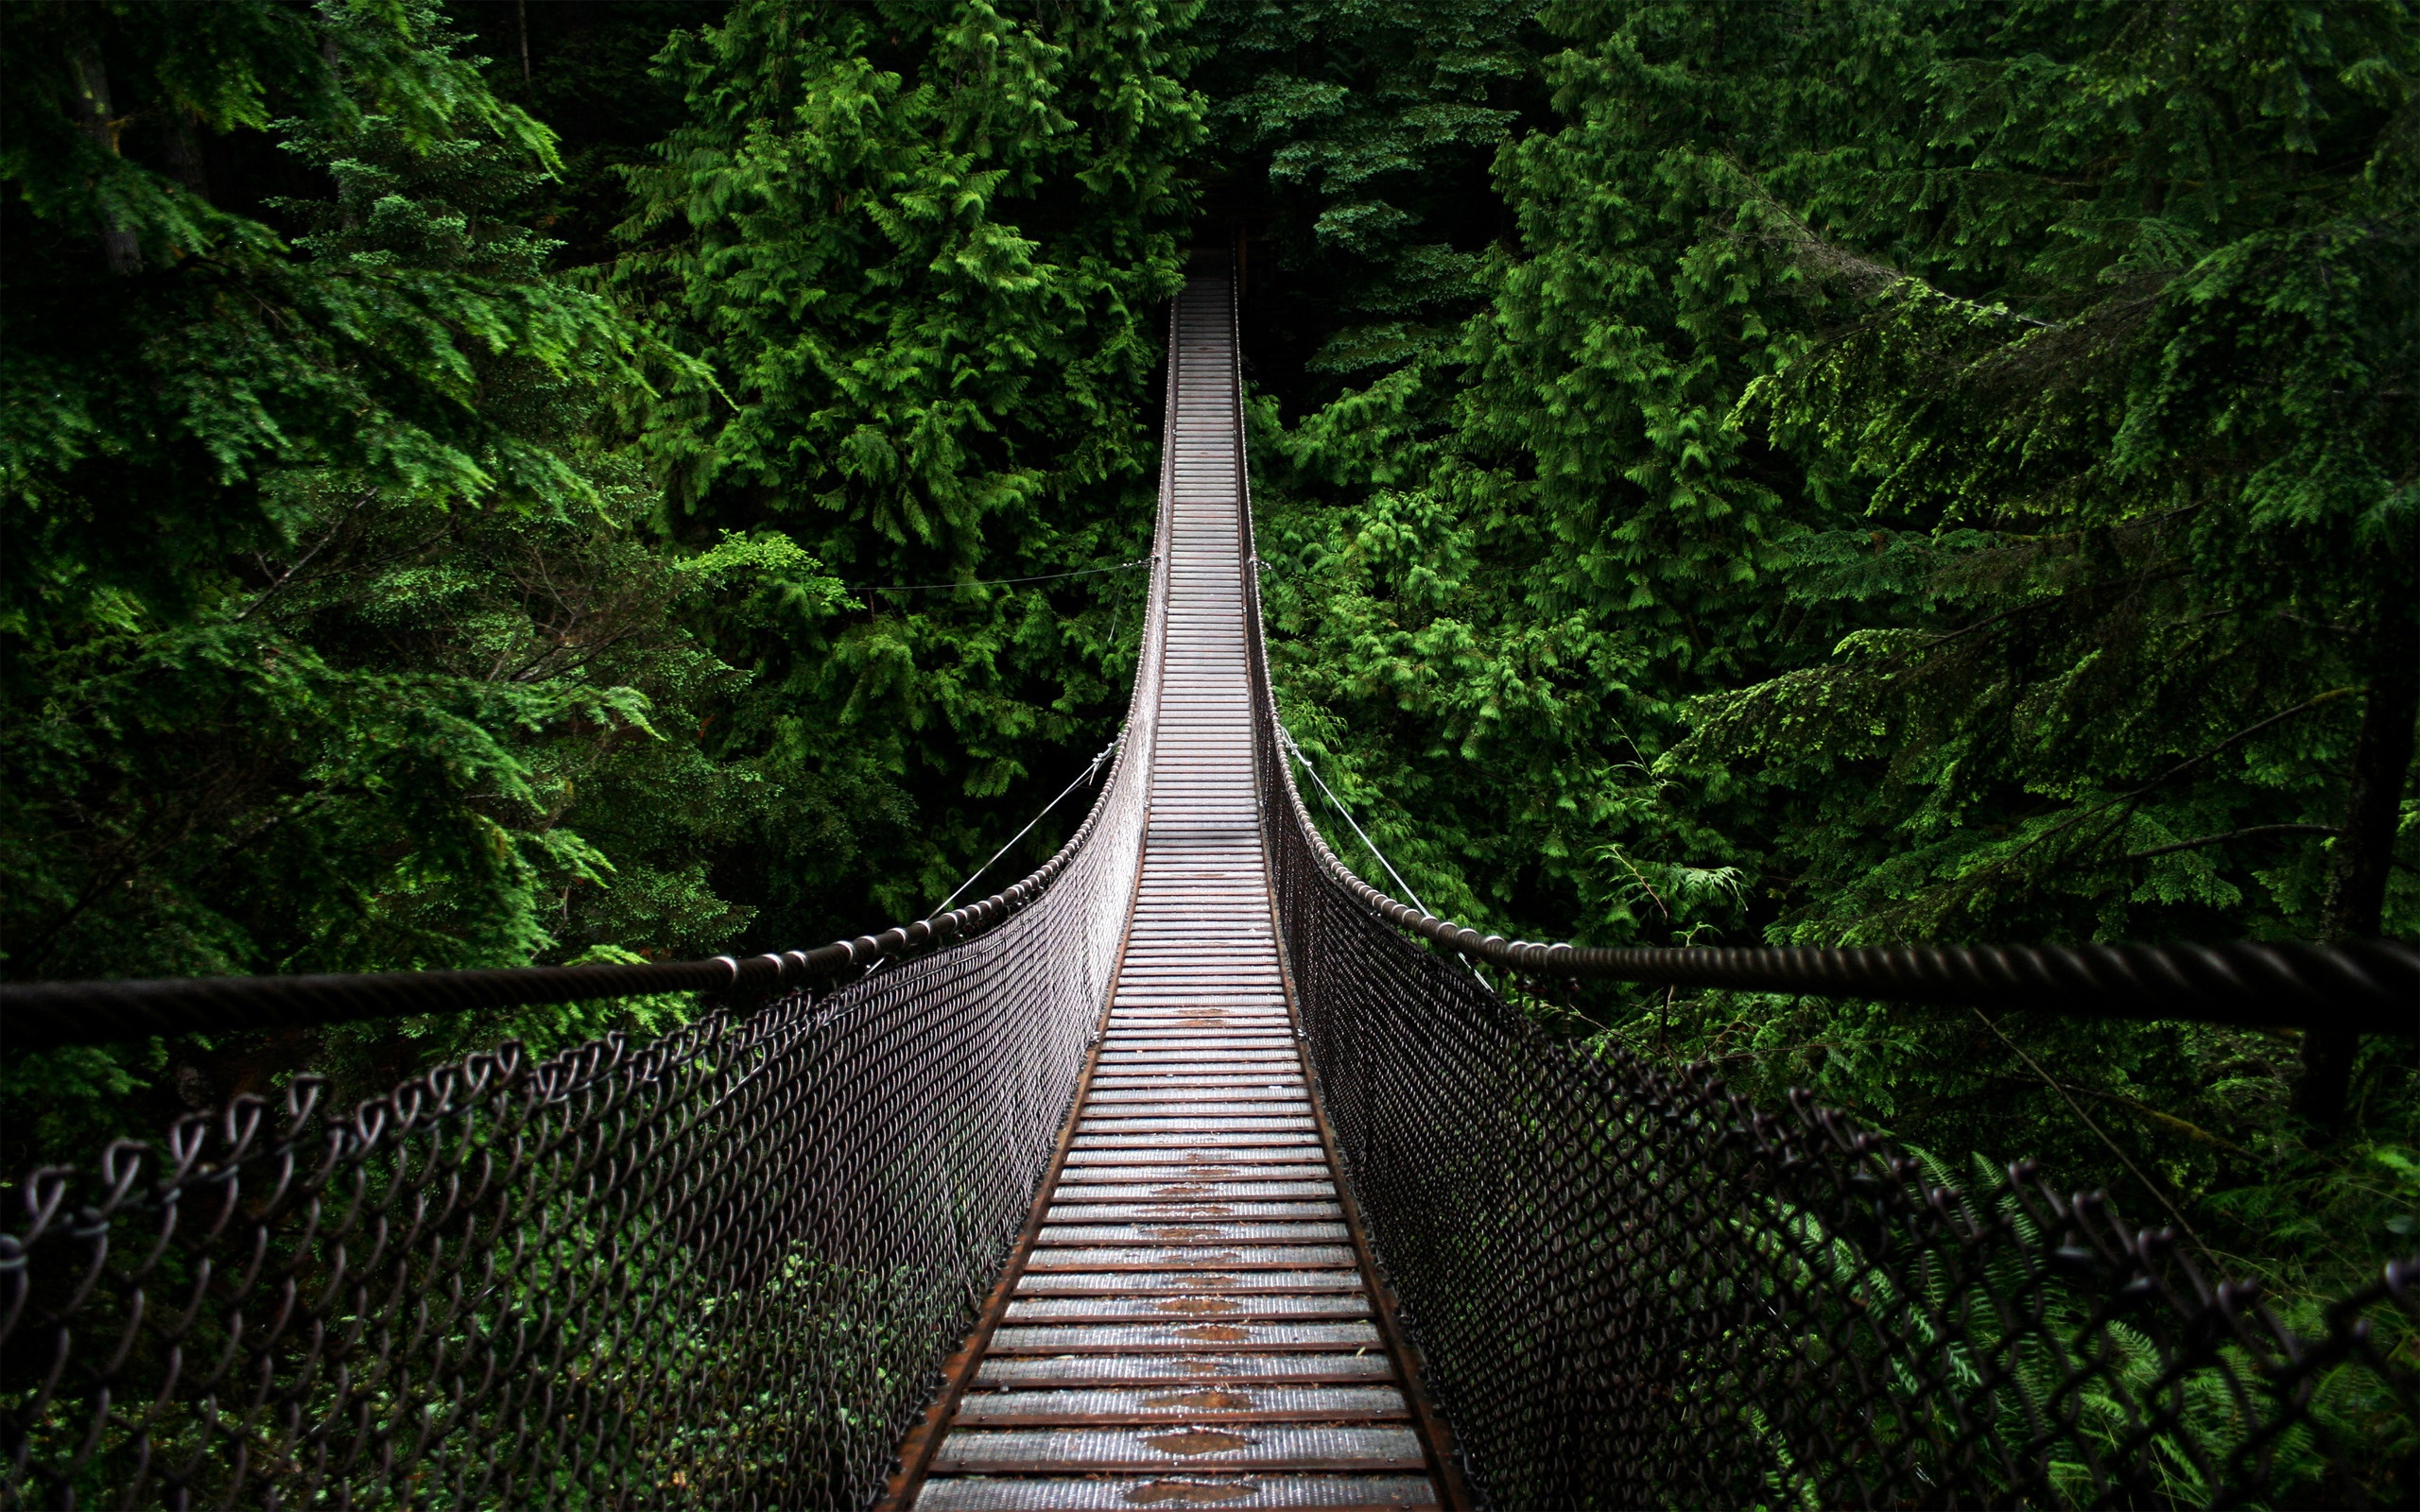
(719, 1269)
(1633, 1288)
(722, 1268)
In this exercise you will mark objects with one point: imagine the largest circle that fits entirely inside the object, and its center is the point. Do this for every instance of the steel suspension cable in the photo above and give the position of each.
(1632, 1285)
(1286, 738)
(1089, 773)
(2369, 985)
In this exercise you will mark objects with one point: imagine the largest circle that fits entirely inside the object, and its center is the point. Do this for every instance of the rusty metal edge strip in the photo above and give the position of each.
(923, 1441)
(1435, 1435)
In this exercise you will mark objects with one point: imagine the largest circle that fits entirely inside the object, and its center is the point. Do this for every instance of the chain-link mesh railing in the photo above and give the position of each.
(1631, 1288)
(715, 1269)
(720, 1269)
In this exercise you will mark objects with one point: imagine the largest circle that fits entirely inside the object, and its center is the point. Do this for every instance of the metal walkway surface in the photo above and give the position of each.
(1191, 1321)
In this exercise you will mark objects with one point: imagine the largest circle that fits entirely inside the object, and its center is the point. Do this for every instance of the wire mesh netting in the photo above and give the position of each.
(1630, 1287)
(719, 1269)
(723, 1268)
(1633, 1288)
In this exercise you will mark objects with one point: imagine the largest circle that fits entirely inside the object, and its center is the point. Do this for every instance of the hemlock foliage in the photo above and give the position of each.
(1920, 473)
(924, 254)
(332, 643)
(1872, 470)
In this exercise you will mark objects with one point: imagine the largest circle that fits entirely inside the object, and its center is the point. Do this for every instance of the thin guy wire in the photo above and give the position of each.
(1287, 737)
(2077, 1109)
(995, 582)
(1089, 773)
(717, 1267)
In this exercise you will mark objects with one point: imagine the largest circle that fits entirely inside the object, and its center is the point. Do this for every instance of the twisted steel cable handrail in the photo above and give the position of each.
(2369, 985)
(2372, 987)
(720, 1267)
(1630, 1286)
(44, 1015)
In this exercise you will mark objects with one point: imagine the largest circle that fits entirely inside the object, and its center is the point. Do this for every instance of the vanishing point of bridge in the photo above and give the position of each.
(1191, 1304)
(1189, 1171)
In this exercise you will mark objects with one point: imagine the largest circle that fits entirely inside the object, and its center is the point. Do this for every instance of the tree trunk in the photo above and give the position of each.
(184, 153)
(2364, 855)
(118, 246)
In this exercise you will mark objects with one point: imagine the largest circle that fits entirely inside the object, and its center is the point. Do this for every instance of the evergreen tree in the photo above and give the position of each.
(1869, 471)
(924, 252)
(1926, 472)
(1350, 144)
(333, 640)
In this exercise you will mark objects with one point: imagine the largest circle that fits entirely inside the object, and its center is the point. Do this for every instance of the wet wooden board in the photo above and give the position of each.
(1219, 1403)
(1190, 1325)
(1198, 1305)
(1045, 1257)
(1217, 1446)
(1005, 1372)
(1192, 1283)
(1196, 1156)
(1098, 1184)
(1189, 1488)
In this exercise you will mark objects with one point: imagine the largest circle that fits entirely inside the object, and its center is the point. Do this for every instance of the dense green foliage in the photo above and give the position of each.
(396, 591)
(1923, 471)
(1867, 471)
(1352, 144)
(924, 255)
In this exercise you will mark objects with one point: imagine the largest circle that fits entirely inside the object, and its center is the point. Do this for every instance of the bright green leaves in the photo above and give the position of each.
(2157, 394)
(875, 320)
(1947, 472)
(231, 359)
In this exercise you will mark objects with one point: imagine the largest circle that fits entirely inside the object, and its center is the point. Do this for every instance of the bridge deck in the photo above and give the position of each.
(1191, 1325)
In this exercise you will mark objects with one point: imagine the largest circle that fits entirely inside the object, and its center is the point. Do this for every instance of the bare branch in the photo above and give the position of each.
(2076, 1107)
(2248, 832)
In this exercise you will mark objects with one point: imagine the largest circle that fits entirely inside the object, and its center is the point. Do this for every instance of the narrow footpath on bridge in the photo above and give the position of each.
(1108, 1155)
(1192, 1320)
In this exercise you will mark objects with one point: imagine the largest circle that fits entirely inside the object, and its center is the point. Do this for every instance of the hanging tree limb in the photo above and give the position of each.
(2249, 832)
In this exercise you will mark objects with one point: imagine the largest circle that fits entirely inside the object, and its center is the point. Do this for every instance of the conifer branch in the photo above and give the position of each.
(2248, 832)
(2127, 802)
(2183, 1127)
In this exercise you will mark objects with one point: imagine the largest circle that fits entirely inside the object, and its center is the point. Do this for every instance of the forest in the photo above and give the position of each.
(498, 482)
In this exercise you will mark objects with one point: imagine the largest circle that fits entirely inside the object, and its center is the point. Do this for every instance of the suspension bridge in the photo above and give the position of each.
(1189, 1171)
